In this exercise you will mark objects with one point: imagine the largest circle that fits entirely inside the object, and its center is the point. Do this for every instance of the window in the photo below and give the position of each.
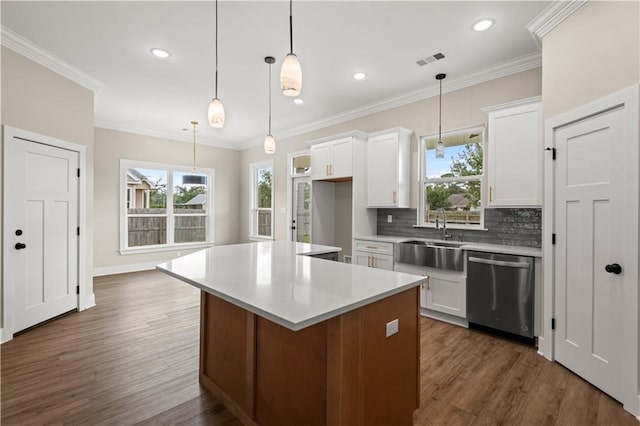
(452, 185)
(152, 220)
(261, 175)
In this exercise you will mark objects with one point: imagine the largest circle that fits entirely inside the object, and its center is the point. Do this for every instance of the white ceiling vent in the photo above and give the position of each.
(435, 57)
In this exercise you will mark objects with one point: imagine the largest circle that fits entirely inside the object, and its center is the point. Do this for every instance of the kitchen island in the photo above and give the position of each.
(286, 338)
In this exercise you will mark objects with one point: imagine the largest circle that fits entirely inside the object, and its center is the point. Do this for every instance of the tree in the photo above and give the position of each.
(438, 197)
(264, 188)
(158, 195)
(469, 163)
(182, 194)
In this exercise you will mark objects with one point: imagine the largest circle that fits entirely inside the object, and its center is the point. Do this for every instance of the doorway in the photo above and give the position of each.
(301, 210)
(594, 211)
(42, 252)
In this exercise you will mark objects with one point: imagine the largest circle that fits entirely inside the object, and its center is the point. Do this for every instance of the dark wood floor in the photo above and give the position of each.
(134, 359)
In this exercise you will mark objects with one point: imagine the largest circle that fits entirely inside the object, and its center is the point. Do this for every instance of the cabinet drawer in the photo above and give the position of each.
(373, 246)
(378, 261)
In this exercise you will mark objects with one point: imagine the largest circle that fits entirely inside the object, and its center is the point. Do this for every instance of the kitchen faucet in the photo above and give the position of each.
(444, 224)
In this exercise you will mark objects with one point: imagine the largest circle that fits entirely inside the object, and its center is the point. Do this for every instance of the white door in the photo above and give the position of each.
(41, 220)
(595, 167)
(301, 208)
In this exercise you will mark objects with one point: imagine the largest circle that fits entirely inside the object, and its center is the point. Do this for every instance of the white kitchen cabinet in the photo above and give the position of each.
(374, 254)
(332, 160)
(446, 292)
(514, 161)
(388, 168)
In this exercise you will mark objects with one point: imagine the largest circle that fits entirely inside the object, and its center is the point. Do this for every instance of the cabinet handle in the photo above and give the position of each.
(369, 261)
(331, 169)
(371, 247)
(373, 261)
(428, 283)
(326, 170)
(490, 193)
(394, 197)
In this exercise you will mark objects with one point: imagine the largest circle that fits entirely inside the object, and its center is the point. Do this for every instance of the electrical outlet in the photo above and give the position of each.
(392, 327)
(389, 218)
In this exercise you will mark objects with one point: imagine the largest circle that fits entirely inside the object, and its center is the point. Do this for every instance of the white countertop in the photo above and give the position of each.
(492, 248)
(272, 280)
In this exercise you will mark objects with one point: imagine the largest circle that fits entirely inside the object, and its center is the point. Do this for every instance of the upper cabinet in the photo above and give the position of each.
(332, 159)
(514, 168)
(388, 173)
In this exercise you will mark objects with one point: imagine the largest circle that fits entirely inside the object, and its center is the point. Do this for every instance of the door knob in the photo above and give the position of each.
(614, 268)
(20, 246)
(18, 232)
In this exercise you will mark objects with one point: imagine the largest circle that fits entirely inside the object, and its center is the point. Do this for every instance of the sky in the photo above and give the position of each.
(436, 167)
(155, 175)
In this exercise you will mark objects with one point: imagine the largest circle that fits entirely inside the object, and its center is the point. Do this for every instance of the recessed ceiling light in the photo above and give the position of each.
(298, 101)
(483, 24)
(160, 53)
(359, 75)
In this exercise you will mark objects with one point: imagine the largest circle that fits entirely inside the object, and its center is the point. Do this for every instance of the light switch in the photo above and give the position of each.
(389, 218)
(392, 327)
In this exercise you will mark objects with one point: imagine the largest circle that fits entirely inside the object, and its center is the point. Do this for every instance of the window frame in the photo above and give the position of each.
(170, 245)
(423, 181)
(253, 209)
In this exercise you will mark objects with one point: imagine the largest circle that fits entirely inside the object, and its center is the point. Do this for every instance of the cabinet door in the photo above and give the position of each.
(382, 261)
(361, 258)
(382, 171)
(342, 159)
(320, 160)
(515, 156)
(447, 294)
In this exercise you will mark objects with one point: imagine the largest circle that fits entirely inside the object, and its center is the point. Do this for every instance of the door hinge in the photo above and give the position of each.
(77, 289)
(78, 231)
(553, 152)
(553, 323)
(553, 238)
(78, 172)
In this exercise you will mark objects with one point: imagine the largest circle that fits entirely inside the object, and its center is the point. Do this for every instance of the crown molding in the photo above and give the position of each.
(551, 17)
(37, 54)
(512, 104)
(503, 69)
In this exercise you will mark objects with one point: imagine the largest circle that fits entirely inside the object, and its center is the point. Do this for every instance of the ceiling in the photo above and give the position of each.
(111, 42)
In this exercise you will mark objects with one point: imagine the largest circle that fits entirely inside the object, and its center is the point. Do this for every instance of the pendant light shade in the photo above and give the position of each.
(193, 178)
(216, 108)
(269, 145)
(291, 71)
(291, 76)
(440, 145)
(216, 113)
(269, 141)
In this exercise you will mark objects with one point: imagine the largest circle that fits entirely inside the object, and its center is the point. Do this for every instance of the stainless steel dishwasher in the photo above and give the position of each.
(500, 292)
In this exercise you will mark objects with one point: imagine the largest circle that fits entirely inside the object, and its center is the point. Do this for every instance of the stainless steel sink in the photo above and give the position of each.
(434, 254)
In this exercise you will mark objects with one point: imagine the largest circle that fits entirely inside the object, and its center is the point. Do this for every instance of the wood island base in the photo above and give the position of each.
(342, 371)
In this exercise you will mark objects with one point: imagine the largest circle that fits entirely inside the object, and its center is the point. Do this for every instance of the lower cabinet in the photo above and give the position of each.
(446, 292)
(443, 296)
(374, 254)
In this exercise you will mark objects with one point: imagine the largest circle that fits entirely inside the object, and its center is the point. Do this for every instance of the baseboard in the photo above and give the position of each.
(121, 269)
(4, 338)
(451, 319)
(87, 302)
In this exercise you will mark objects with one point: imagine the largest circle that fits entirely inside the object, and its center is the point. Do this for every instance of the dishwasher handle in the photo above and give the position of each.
(525, 265)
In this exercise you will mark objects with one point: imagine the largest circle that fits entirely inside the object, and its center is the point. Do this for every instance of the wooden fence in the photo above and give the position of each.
(461, 217)
(152, 230)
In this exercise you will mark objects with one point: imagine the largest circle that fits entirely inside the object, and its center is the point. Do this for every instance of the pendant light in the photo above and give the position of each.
(269, 141)
(193, 178)
(440, 145)
(291, 71)
(216, 109)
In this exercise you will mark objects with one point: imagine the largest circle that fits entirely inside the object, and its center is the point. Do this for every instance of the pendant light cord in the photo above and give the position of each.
(194, 146)
(440, 115)
(291, 25)
(216, 90)
(269, 98)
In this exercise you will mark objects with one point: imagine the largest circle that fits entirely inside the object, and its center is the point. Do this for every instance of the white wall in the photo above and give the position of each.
(112, 145)
(39, 100)
(593, 53)
(461, 108)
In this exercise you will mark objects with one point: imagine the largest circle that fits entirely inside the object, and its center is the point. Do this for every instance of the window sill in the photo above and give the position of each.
(260, 238)
(460, 227)
(155, 249)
